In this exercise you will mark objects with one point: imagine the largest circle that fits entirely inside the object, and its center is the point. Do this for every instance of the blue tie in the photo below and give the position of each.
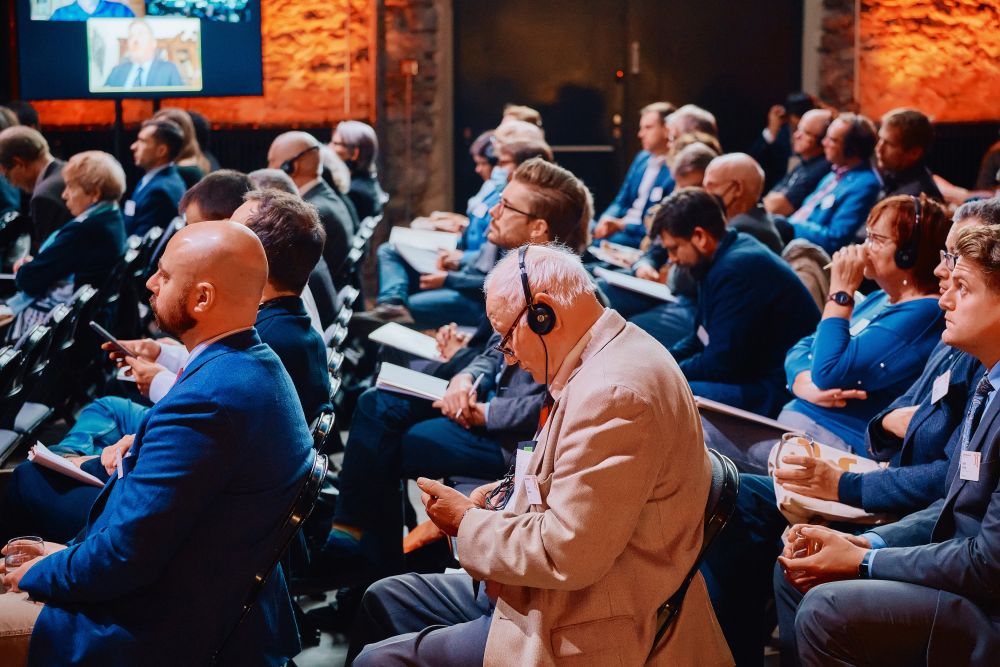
(138, 83)
(976, 410)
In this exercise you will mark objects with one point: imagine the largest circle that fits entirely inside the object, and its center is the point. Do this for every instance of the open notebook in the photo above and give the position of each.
(638, 285)
(405, 339)
(419, 248)
(410, 383)
(41, 455)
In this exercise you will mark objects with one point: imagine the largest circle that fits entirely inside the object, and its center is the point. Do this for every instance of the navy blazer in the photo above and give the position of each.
(918, 462)
(156, 203)
(284, 325)
(952, 546)
(86, 249)
(747, 289)
(160, 572)
(161, 73)
(627, 194)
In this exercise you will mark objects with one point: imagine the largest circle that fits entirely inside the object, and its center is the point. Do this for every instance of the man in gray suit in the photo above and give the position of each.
(931, 595)
(26, 162)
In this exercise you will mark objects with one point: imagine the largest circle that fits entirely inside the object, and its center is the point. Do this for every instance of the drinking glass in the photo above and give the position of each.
(22, 549)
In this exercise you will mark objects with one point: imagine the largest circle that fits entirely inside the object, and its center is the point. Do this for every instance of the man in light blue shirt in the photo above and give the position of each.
(81, 10)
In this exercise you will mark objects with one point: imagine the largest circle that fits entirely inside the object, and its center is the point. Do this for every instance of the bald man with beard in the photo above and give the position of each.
(298, 155)
(160, 572)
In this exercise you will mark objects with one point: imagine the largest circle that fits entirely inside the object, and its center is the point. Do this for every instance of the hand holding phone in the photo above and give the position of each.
(106, 335)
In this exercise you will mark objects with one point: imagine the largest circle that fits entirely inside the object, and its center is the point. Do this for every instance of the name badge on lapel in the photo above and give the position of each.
(827, 201)
(656, 194)
(129, 208)
(531, 490)
(940, 388)
(859, 326)
(524, 451)
(118, 463)
(703, 335)
(968, 468)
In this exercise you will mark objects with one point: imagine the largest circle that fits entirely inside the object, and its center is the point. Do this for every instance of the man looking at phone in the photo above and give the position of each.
(213, 469)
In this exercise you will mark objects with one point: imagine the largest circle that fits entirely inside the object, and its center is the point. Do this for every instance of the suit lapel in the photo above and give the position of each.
(984, 429)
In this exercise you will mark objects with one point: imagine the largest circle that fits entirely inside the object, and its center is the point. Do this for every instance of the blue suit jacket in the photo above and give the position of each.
(161, 73)
(918, 463)
(662, 186)
(835, 220)
(747, 289)
(285, 325)
(86, 249)
(160, 572)
(156, 203)
(953, 546)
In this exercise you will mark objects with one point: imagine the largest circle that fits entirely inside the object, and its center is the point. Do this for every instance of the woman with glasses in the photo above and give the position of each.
(865, 354)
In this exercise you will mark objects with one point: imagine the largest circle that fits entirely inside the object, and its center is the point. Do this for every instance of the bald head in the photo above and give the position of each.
(210, 280)
(737, 179)
(302, 149)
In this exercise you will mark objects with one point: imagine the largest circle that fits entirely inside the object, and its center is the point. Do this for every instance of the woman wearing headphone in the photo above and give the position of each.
(863, 355)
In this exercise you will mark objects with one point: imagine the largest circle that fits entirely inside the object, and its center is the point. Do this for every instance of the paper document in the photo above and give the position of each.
(41, 455)
(410, 383)
(616, 254)
(647, 287)
(715, 406)
(419, 248)
(400, 337)
(6, 276)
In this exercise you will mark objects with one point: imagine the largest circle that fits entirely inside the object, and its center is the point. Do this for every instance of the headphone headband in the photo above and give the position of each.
(906, 254)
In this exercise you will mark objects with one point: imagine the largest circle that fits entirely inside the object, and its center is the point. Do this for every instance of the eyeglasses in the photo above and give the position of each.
(877, 240)
(502, 347)
(949, 260)
(504, 204)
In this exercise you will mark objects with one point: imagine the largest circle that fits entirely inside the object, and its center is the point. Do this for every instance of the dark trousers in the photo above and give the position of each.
(666, 322)
(395, 437)
(414, 619)
(872, 622)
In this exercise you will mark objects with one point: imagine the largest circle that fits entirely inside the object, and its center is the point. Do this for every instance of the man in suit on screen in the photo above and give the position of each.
(143, 68)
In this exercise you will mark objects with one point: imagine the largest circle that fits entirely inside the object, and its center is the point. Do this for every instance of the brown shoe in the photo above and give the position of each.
(387, 312)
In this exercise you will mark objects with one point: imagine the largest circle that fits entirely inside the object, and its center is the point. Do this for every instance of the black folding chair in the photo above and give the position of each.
(10, 387)
(300, 510)
(720, 506)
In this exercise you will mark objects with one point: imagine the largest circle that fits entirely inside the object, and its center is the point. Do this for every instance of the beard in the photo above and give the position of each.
(173, 321)
(700, 268)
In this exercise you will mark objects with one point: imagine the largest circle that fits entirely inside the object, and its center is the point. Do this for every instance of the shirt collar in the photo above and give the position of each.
(568, 365)
(148, 176)
(200, 347)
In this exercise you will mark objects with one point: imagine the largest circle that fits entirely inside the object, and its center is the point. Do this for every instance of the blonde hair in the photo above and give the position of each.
(96, 173)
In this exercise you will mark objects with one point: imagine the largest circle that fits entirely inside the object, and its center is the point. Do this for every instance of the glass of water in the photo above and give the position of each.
(22, 549)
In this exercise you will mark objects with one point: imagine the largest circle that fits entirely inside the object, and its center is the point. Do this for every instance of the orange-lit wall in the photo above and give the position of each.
(941, 56)
(319, 58)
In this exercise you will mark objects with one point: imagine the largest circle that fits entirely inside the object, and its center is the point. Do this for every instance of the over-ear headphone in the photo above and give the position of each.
(288, 166)
(541, 317)
(906, 254)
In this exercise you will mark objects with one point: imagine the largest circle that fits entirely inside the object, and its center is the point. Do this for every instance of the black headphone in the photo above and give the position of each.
(541, 317)
(906, 254)
(288, 166)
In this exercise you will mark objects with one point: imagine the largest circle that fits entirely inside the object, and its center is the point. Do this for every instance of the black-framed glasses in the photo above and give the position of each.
(949, 260)
(503, 346)
(505, 204)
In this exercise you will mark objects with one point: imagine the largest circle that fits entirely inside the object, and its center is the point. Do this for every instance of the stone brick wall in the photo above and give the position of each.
(941, 56)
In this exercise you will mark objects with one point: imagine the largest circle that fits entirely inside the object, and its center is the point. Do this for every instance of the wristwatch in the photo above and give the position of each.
(842, 299)
(864, 571)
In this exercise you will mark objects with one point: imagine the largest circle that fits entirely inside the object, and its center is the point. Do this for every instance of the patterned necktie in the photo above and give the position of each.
(976, 409)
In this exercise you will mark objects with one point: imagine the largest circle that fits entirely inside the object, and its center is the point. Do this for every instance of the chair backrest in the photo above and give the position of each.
(161, 244)
(300, 510)
(719, 508)
(322, 428)
(84, 304)
(35, 346)
(335, 335)
(10, 370)
(334, 360)
(61, 321)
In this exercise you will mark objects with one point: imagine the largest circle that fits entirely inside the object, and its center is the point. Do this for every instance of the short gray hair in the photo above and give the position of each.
(692, 117)
(986, 210)
(552, 269)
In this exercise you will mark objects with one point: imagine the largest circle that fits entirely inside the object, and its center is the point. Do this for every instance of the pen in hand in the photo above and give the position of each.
(472, 392)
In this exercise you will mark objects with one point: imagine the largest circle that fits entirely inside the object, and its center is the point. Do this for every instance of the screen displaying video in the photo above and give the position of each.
(138, 49)
(227, 11)
(144, 55)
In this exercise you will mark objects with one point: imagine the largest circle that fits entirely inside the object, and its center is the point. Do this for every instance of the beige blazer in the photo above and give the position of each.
(624, 478)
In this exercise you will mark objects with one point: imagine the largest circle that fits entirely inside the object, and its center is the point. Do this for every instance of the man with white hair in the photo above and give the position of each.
(570, 550)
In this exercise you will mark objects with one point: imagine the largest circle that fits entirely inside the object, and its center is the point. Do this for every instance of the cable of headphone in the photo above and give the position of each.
(545, 349)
